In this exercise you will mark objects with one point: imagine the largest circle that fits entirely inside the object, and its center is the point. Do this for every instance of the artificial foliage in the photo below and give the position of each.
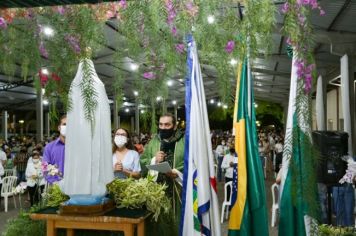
(140, 193)
(151, 33)
(302, 154)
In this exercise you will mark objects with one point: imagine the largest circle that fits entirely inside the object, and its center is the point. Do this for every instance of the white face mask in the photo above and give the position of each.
(120, 140)
(35, 161)
(63, 130)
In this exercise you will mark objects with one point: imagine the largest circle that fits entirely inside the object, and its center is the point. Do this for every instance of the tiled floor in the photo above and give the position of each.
(12, 212)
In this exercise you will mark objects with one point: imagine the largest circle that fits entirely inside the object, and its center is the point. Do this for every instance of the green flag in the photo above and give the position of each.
(248, 203)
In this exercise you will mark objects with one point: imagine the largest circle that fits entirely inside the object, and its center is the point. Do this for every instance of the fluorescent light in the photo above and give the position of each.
(45, 71)
(48, 31)
(45, 102)
(133, 66)
(135, 93)
(211, 19)
(170, 83)
(233, 62)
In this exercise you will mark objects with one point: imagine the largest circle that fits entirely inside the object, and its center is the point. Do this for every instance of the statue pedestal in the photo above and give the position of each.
(89, 210)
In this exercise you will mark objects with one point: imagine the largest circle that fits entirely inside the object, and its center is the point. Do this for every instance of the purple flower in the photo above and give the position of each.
(180, 48)
(149, 75)
(43, 50)
(174, 31)
(73, 42)
(123, 4)
(3, 24)
(322, 12)
(61, 10)
(285, 7)
(230, 46)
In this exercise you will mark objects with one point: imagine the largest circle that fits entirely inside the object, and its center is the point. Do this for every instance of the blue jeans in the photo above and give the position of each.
(344, 202)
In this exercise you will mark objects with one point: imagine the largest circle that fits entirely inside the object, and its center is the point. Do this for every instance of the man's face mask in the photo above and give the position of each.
(166, 133)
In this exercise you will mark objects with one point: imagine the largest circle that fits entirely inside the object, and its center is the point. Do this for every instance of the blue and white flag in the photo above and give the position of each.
(200, 213)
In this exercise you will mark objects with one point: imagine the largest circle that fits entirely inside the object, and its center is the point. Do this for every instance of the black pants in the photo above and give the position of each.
(35, 193)
(279, 158)
(228, 188)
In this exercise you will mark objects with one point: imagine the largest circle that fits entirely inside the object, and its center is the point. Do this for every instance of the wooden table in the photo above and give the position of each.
(105, 222)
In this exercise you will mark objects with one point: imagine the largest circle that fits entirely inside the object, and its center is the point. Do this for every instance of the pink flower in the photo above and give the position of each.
(180, 48)
(61, 10)
(149, 75)
(230, 46)
(73, 41)
(43, 50)
(174, 31)
(322, 12)
(285, 7)
(3, 24)
(123, 4)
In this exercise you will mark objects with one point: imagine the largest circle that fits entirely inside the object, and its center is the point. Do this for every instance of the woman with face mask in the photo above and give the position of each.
(126, 161)
(34, 177)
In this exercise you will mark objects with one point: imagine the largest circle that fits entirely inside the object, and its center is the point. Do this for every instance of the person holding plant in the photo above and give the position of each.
(35, 180)
(126, 161)
(167, 146)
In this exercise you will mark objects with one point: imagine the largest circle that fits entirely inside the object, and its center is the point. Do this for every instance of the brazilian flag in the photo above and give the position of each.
(248, 214)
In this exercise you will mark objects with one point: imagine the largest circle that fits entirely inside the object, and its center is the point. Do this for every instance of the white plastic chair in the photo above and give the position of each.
(9, 172)
(226, 203)
(7, 190)
(275, 203)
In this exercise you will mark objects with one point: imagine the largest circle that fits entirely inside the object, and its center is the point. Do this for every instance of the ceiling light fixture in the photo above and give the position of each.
(233, 62)
(170, 83)
(133, 66)
(48, 31)
(211, 19)
(45, 71)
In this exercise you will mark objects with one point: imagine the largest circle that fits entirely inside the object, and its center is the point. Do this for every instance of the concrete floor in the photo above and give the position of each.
(13, 212)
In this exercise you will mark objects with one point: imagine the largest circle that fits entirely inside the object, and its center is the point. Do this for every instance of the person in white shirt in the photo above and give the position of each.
(3, 157)
(34, 177)
(221, 150)
(228, 164)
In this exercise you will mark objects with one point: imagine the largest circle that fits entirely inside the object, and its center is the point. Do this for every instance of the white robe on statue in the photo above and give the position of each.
(88, 163)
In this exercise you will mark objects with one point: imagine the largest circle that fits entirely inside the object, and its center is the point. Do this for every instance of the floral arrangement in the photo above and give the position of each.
(20, 189)
(299, 35)
(154, 34)
(51, 170)
(329, 230)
